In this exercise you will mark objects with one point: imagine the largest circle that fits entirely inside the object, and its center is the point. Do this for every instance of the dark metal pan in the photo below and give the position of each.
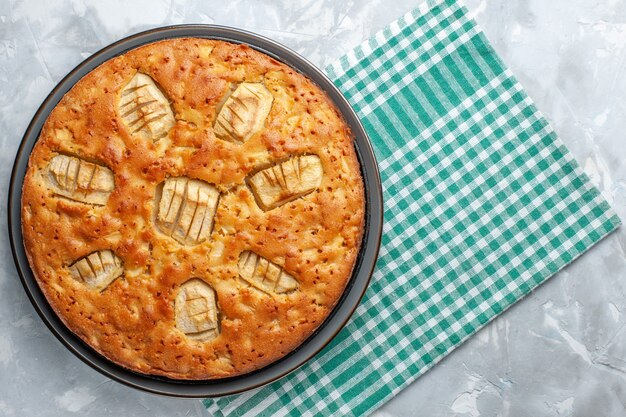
(323, 335)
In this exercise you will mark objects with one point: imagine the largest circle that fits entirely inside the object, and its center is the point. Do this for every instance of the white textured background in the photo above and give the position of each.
(560, 352)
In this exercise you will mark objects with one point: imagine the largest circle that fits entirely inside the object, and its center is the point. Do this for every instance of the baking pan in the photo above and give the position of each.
(355, 289)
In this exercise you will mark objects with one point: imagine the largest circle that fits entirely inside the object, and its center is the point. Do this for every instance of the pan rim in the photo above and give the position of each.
(316, 342)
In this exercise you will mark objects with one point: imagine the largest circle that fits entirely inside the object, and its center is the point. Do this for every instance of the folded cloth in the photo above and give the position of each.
(482, 204)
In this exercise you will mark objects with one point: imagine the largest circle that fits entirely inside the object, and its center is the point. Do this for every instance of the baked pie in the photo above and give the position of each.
(193, 209)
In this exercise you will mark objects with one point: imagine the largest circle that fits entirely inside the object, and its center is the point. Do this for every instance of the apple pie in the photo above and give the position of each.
(193, 209)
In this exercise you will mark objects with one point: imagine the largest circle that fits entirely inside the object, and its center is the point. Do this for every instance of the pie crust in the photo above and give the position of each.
(193, 209)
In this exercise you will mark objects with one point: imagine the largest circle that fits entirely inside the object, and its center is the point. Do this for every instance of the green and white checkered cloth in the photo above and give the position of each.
(482, 204)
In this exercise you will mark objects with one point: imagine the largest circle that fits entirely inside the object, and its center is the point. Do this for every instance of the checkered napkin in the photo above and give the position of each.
(482, 204)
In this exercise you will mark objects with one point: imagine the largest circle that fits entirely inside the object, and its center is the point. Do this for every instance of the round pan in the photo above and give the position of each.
(353, 293)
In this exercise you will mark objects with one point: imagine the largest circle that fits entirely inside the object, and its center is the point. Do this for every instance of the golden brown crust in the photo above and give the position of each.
(314, 238)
